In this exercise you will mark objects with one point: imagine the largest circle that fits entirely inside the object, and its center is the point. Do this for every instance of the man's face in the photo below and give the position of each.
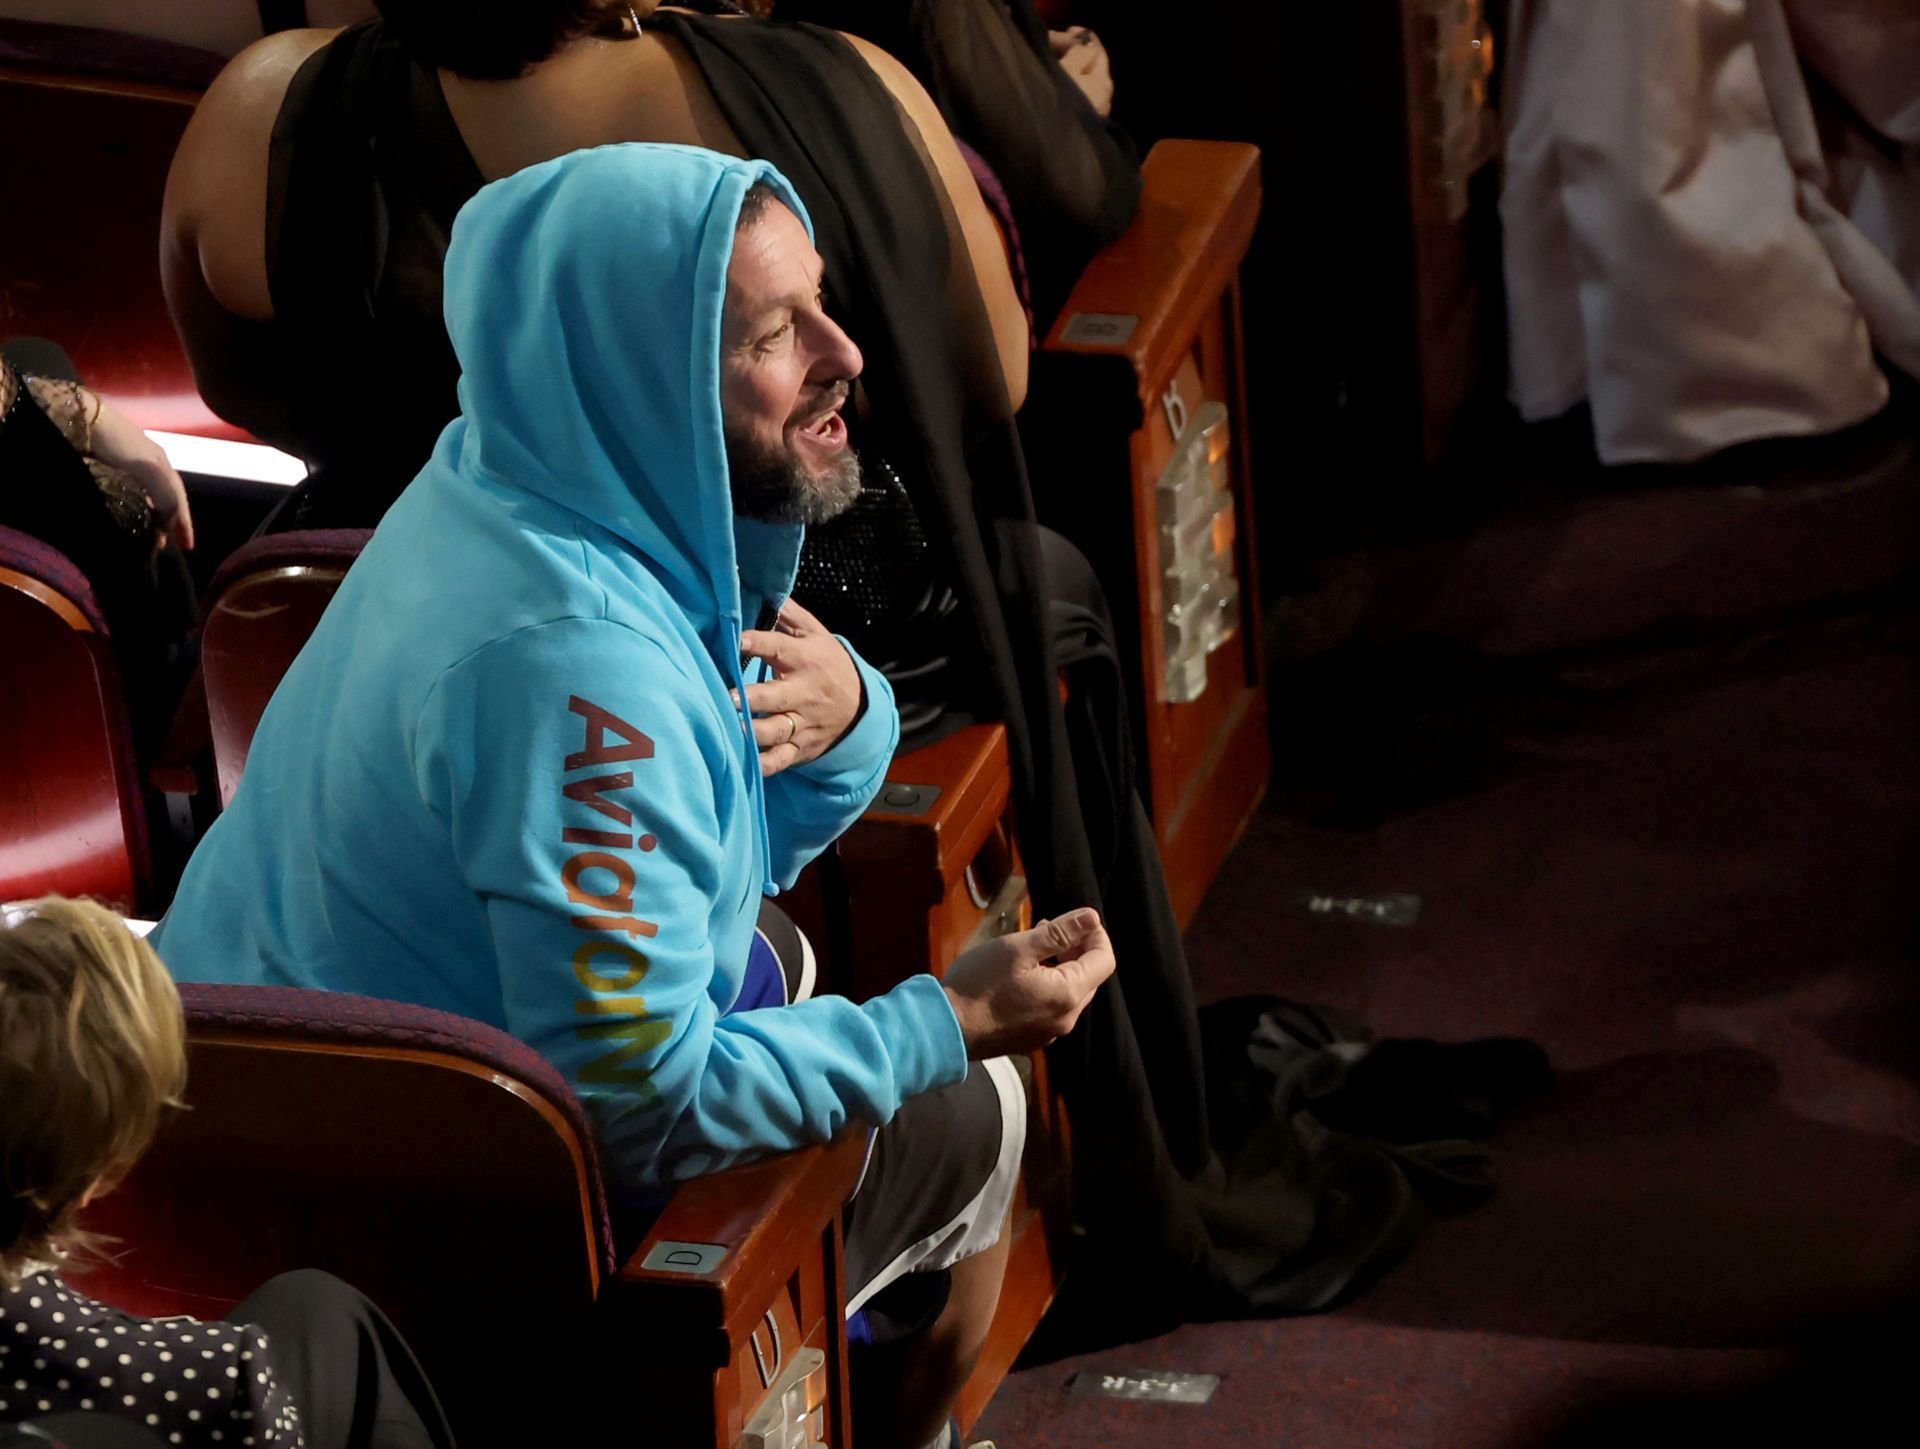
(785, 368)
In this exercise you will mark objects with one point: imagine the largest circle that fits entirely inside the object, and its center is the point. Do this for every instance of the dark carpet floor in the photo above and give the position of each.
(1644, 748)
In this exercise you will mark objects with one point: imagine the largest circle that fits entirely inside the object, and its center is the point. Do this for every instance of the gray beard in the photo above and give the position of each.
(774, 486)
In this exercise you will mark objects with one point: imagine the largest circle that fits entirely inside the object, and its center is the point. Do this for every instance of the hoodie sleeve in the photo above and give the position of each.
(586, 785)
(811, 805)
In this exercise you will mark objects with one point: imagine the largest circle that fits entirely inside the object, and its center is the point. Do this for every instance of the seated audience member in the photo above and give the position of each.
(78, 476)
(322, 265)
(219, 26)
(91, 1056)
(1033, 103)
(521, 771)
(307, 218)
(348, 281)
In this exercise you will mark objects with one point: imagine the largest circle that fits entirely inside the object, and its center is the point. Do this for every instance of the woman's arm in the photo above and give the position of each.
(94, 430)
(985, 246)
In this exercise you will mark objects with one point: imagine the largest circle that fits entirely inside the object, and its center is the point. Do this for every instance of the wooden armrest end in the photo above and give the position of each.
(765, 1216)
(970, 772)
(1198, 209)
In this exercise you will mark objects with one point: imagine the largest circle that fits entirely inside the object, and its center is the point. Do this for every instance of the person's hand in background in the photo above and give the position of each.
(119, 444)
(1084, 59)
(1018, 992)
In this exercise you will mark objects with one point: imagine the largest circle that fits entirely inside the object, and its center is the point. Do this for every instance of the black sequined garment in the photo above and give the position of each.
(871, 578)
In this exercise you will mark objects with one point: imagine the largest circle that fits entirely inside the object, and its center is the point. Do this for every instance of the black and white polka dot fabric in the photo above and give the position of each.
(189, 1382)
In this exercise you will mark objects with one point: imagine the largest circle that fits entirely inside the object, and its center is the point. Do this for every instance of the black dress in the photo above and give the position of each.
(1308, 1173)
(367, 166)
(1071, 176)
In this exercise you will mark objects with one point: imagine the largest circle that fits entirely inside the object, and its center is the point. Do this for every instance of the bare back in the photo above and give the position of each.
(595, 91)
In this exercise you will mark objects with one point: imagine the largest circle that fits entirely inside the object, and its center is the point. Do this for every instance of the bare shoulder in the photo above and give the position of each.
(217, 188)
(901, 82)
(985, 245)
(250, 89)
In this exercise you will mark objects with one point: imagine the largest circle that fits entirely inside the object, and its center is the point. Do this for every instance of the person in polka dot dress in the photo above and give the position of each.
(92, 1052)
(190, 1382)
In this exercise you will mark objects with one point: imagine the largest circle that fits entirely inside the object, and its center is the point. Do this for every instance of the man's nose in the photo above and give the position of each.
(836, 356)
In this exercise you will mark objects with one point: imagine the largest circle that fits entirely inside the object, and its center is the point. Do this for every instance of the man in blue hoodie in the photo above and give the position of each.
(520, 771)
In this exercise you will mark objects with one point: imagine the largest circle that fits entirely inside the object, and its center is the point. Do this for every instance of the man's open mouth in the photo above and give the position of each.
(827, 427)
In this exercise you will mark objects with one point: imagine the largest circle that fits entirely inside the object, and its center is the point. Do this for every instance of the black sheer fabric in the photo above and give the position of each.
(50, 492)
(368, 171)
(872, 576)
(365, 174)
(1300, 1213)
(1072, 177)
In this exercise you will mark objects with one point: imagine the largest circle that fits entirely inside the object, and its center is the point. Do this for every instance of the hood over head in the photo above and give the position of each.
(583, 299)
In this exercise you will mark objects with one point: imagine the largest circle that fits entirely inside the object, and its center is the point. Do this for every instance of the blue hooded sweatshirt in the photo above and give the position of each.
(504, 778)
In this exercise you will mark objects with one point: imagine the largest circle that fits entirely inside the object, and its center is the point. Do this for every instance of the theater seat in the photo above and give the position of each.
(261, 606)
(447, 1171)
(929, 869)
(91, 119)
(1150, 334)
(72, 817)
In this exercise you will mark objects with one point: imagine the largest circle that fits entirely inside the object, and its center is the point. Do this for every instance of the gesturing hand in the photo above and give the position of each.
(814, 694)
(1017, 993)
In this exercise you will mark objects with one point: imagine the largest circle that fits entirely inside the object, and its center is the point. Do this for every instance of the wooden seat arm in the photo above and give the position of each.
(1198, 208)
(764, 1217)
(939, 804)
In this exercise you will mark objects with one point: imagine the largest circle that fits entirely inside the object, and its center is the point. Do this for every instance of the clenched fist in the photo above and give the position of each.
(1016, 993)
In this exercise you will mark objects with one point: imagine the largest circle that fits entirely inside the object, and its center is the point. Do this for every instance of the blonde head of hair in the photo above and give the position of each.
(92, 1052)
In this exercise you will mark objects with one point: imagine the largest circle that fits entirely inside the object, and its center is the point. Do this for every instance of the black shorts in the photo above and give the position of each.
(939, 1176)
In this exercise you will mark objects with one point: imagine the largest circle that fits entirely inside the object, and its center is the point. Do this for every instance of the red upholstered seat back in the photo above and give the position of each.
(72, 819)
(115, 56)
(437, 1164)
(261, 607)
(91, 121)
